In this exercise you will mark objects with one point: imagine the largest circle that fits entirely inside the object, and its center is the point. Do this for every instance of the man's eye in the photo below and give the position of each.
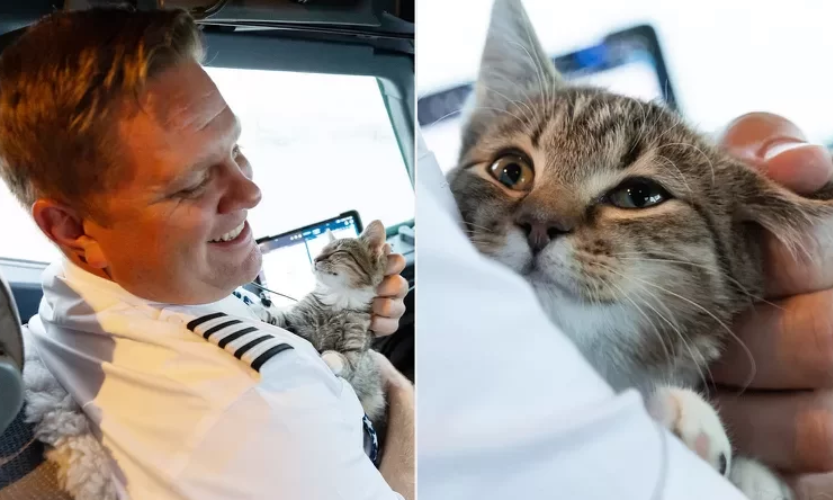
(194, 191)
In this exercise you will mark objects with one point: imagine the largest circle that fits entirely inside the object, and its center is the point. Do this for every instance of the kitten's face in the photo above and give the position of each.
(617, 213)
(596, 195)
(640, 238)
(353, 263)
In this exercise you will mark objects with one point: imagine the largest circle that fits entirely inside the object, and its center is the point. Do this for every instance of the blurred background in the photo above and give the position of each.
(713, 60)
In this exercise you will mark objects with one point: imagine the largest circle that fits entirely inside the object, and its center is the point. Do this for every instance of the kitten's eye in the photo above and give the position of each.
(638, 193)
(513, 171)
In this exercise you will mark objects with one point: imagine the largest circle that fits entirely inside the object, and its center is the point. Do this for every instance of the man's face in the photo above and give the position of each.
(189, 186)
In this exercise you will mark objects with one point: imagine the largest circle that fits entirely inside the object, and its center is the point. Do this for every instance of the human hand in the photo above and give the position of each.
(791, 337)
(392, 379)
(389, 304)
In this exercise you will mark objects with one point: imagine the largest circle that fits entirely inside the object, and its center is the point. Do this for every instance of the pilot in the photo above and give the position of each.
(125, 152)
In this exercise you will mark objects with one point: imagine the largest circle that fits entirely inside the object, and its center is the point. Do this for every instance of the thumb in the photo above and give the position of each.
(776, 147)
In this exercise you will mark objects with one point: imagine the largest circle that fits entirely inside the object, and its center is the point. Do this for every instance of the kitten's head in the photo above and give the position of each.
(629, 224)
(349, 264)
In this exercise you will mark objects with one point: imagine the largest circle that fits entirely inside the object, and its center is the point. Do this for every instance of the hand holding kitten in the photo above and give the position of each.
(790, 338)
(389, 304)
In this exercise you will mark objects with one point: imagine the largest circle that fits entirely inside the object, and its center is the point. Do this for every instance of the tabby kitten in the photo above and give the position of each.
(335, 316)
(641, 239)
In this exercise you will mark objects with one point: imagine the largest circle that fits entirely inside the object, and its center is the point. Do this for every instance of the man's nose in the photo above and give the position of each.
(540, 232)
(242, 194)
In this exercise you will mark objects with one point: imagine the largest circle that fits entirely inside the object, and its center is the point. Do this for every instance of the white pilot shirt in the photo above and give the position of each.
(184, 418)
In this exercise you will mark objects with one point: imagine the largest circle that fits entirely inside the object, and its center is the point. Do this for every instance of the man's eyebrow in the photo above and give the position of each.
(208, 158)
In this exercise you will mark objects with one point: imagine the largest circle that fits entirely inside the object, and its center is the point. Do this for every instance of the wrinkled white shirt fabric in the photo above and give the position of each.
(184, 419)
(507, 406)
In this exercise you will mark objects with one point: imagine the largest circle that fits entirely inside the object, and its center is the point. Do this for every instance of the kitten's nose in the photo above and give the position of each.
(540, 234)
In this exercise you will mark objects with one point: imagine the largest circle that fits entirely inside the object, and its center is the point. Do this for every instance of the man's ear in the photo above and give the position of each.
(65, 227)
(786, 215)
(374, 235)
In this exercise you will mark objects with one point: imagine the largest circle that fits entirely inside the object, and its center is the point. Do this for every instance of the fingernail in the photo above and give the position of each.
(775, 147)
(800, 166)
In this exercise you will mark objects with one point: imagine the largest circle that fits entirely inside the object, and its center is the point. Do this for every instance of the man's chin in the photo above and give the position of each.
(227, 277)
(250, 267)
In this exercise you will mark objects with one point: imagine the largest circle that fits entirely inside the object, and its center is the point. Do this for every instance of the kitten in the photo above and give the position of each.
(335, 317)
(641, 239)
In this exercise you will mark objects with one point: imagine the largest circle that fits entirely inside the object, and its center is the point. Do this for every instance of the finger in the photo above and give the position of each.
(779, 149)
(389, 308)
(791, 342)
(391, 376)
(791, 431)
(393, 286)
(776, 147)
(396, 264)
(812, 486)
(383, 327)
(805, 270)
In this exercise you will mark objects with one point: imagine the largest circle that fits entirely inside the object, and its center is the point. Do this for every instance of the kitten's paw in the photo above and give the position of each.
(758, 482)
(692, 419)
(334, 360)
(262, 312)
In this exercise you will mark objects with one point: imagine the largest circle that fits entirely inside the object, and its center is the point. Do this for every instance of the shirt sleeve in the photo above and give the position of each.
(291, 437)
(508, 407)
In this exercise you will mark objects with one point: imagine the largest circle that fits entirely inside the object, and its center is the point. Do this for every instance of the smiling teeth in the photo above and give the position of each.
(234, 233)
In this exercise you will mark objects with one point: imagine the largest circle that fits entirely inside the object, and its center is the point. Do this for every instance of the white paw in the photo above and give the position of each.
(262, 312)
(695, 422)
(757, 482)
(334, 360)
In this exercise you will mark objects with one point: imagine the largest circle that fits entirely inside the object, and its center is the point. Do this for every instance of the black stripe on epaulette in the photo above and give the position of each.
(215, 329)
(269, 354)
(202, 319)
(236, 335)
(243, 349)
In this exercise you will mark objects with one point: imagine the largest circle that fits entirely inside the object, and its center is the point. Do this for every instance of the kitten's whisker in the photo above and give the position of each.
(457, 111)
(477, 226)
(668, 130)
(443, 117)
(506, 112)
(719, 322)
(711, 165)
(622, 256)
(692, 352)
(518, 103)
(668, 160)
(674, 327)
(670, 354)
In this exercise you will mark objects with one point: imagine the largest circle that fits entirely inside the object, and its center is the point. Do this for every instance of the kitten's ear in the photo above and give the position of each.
(783, 213)
(514, 64)
(374, 235)
(330, 236)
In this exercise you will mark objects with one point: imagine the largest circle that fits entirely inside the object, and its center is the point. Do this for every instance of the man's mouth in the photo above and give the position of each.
(234, 233)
